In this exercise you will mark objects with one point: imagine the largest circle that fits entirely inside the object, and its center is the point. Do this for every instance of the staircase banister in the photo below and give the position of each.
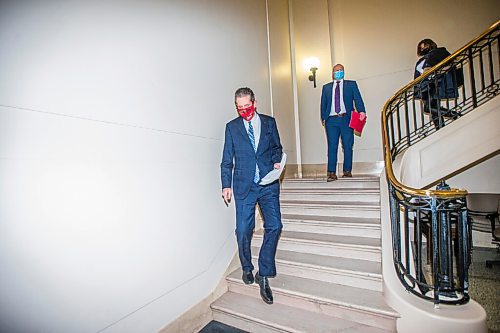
(452, 193)
(437, 269)
(445, 194)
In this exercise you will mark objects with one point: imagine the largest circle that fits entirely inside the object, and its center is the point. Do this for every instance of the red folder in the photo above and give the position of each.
(357, 124)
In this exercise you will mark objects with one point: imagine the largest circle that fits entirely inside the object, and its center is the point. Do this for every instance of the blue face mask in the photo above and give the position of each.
(338, 75)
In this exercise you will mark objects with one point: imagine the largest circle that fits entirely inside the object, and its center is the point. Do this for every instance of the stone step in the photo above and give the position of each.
(323, 202)
(252, 315)
(369, 196)
(344, 209)
(363, 306)
(352, 183)
(364, 248)
(343, 271)
(362, 177)
(332, 225)
(333, 190)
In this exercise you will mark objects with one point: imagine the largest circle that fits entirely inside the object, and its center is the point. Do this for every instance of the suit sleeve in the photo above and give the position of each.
(358, 100)
(277, 149)
(226, 166)
(323, 103)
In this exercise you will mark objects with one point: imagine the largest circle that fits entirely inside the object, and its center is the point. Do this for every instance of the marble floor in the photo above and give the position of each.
(484, 285)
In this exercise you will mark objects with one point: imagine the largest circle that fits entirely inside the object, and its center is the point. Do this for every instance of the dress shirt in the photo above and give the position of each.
(342, 106)
(420, 65)
(256, 128)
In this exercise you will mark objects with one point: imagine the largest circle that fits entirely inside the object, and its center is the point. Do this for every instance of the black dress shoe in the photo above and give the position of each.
(347, 174)
(331, 176)
(247, 277)
(450, 114)
(455, 115)
(265, 290)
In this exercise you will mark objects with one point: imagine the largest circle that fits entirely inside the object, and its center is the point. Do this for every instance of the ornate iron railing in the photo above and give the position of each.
(437, 269)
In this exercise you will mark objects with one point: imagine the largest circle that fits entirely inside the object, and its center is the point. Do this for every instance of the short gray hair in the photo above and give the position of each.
(244, 91)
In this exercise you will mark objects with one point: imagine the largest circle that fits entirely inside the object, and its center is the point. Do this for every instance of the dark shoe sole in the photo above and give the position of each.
(267, 302)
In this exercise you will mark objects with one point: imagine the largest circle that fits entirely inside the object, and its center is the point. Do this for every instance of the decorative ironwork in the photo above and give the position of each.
(437, 269)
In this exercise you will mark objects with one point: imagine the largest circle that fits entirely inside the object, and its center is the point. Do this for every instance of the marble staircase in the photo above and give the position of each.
(328, 261)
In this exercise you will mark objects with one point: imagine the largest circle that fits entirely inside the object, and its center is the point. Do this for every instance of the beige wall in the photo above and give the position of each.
(111, 128)
(281, 75)
(310, 23)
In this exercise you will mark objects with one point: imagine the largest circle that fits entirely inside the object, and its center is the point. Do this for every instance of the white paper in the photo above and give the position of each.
(275, 173)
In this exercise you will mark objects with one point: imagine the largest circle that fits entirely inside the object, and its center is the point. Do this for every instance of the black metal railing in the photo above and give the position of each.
(436, 269)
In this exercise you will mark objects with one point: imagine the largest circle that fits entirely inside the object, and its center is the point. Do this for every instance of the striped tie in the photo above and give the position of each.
(252, 141)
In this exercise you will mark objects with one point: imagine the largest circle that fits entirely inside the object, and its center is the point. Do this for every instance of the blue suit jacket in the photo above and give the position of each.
(240, 157)
(351, 96)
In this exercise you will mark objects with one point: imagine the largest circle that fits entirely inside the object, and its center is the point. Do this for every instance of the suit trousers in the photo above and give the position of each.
(268, 199)
(338, 127)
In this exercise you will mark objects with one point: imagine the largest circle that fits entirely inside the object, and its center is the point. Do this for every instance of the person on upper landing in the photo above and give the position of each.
(338, 99)
(433, 89)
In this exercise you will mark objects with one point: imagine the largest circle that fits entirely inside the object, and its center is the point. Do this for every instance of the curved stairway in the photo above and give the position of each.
(328, 260)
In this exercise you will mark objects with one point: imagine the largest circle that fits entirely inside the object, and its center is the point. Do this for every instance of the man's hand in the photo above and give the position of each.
(362, 116)
(277, 165)
(323, 123)
(226, 195)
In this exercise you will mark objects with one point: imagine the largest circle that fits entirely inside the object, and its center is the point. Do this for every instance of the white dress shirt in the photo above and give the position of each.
(342, 106)
(256, 128)
(420, 65)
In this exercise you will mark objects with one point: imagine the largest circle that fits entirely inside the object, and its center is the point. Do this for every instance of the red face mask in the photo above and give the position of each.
(247, 113)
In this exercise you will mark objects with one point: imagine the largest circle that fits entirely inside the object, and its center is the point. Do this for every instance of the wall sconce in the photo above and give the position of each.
(312, 64)
(312, 77)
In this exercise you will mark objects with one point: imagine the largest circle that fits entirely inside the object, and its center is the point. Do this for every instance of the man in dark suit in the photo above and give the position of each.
(252, 148)
(337, 102)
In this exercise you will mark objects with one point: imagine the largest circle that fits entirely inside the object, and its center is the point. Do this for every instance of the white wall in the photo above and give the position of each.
(281, 76)
(482, 178)
(111, 126)
(376, 41)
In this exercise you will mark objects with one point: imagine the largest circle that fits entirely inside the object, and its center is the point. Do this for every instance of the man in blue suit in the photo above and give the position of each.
(337, 102)
(252, 148)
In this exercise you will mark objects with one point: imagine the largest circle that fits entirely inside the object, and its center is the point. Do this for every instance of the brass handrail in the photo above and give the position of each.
(452, 193)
